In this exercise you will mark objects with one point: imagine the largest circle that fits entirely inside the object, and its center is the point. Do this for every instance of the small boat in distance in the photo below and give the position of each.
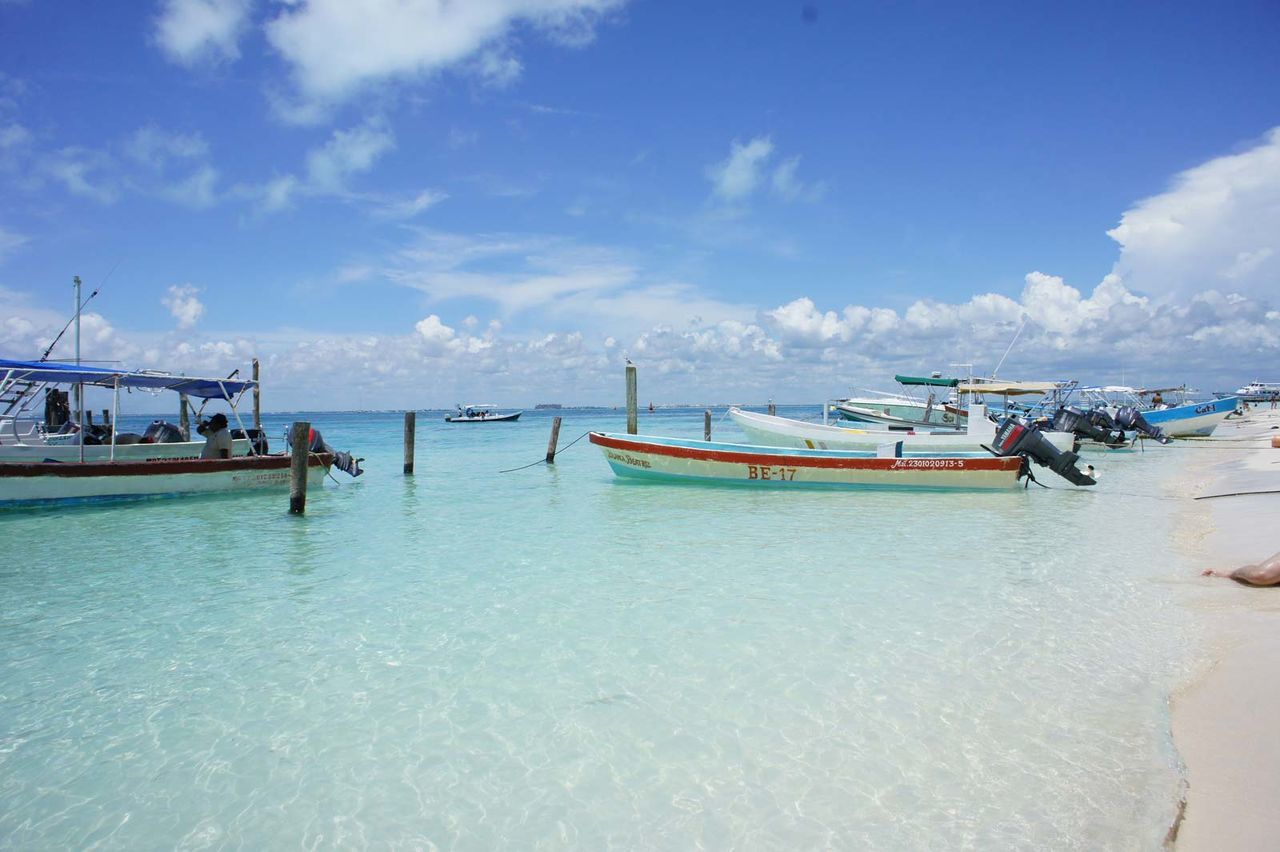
(476, 413)
(1258, 391)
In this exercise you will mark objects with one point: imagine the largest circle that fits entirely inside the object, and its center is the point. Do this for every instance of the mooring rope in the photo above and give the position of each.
(544, 460)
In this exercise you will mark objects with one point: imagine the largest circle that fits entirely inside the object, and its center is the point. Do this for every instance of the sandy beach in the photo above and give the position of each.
(1222, 719)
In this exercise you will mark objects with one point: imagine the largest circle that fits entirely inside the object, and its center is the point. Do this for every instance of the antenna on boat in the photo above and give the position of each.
(1011, 342)
(74, 318)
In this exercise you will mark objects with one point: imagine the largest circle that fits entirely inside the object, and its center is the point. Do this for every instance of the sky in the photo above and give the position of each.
(415, 203)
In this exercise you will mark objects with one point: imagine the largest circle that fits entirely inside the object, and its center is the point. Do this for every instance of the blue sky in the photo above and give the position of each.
(410, 203)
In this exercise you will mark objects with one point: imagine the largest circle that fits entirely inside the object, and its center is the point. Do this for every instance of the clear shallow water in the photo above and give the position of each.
(552, 659)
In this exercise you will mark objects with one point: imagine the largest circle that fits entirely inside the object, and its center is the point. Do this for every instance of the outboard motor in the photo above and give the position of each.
(257, 437)
(160, 432)
(344, 462)
(1015, 438)
(1129, 418)
(1086, 425)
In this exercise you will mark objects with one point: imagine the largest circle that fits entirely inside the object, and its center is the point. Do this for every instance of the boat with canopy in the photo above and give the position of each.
(482, 413)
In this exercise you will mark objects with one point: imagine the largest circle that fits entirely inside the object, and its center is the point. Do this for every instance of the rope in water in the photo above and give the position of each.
(543, 460)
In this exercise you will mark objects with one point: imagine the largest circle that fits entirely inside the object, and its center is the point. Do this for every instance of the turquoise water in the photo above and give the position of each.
(551, 658)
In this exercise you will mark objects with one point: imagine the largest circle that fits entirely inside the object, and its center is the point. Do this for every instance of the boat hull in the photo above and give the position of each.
(497, 418)
(739, 464)
(1192, 420)
(30, 453)
(55, 483)
(900, 414)
(773, 431)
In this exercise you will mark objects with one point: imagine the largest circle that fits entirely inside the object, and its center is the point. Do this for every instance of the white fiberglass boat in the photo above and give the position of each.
(774, 431)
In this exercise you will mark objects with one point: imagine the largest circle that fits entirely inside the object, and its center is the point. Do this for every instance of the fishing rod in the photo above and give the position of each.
(45, 356)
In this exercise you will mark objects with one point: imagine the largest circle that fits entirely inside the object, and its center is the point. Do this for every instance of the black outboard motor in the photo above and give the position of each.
(344, 462)
(1015, 438)
(1129, 418)
(1086, 425)
(160, 432)
(257, 437)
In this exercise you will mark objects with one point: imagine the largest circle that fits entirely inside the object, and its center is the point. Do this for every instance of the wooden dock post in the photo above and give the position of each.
(106, 417)
(555, 438)
(632, 425)
(184, 419)
(300, 444)
(706, 425)
(257, 398)
(410, 424)
(773, 409)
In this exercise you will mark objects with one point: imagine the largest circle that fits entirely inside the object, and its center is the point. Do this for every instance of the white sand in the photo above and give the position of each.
(1224, 722)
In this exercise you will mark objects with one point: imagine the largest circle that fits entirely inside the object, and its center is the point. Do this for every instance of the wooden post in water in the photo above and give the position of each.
(300, 443)
(184, 419)
(410, 422)
(706, 425)
(88, 418)
(632, 425)
(555, 438)
(257, 398)
(106, 417)
(773, 409)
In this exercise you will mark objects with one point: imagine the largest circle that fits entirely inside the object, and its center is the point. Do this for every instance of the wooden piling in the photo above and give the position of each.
(632, 424)
(706, 425)
(555, 438)
(184, 419)
(410, 423)
(300, 444)
(773, 409)
(88, 418)
(106, 417)
(257, 398)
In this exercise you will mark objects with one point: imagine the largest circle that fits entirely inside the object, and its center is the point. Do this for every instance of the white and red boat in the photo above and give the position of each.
(646, 457)
(45, 483)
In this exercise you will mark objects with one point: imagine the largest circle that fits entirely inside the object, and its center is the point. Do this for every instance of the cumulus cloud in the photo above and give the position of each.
(336, 48)
(737, 176)
(191, 32)
(747, 168)
(184, 304)
(1218, 224)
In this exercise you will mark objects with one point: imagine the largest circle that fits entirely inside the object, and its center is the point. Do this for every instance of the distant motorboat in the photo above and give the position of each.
(481, 414)
(1259, 391)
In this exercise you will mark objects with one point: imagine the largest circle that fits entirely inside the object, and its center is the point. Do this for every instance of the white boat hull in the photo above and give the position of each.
(38, 452)
(774, 431)
(51, 483)
(740, 464)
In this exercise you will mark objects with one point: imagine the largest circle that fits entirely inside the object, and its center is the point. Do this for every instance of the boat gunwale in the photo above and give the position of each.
(156, 467)
(837, 459)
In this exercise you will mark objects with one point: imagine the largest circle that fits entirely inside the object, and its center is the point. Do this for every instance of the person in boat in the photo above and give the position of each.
(217, 437)
(1263, 574)
(1157, 400)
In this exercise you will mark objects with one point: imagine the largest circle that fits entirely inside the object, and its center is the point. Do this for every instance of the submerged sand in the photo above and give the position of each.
(1223, 722)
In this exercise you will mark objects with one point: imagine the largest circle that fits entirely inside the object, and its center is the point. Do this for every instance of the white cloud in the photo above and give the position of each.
(1218, 221)
(10, 242)
(184, 304)
(790, 188)
(191, 32)
(348, 152)
(153, 146)
(336, 48)
(737, 176)
(409, 208)
(86, 173)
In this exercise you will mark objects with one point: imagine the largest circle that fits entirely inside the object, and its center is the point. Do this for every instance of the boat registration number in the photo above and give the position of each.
(935, 464)
(764, 471)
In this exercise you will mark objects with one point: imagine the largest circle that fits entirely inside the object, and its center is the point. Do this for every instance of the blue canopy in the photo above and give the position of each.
(71, 374)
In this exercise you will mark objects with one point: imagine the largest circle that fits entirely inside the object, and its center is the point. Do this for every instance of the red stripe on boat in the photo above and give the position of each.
(747, 457)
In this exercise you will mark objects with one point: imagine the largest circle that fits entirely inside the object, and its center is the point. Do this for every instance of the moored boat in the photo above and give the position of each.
(645, 457)
(46, 483)
(770, 430)
(482, 414)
